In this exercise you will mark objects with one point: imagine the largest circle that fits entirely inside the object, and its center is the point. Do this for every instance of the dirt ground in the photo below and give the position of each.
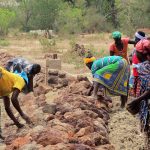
(124, 128)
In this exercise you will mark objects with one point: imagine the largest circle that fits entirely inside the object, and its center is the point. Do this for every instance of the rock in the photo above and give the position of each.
(93, 139)
(58, 125)
(84, 131)
(49, 108)
(41, 90)
(19, 142)
(31, 146)
(61, 75)
(59, 146)
(52, 80)
(52, 72)
(49, 117)
(63, 82)
(37, 129)
(49, 136)
(82, 78)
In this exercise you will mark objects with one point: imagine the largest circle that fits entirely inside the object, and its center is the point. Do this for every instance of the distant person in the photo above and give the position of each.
(120, 45)
(19, 64)
(134, 61)
(13, 83)
(110, 73)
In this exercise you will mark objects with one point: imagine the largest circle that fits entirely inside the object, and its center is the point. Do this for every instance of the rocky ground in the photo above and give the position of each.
(64, 118)
(71, 121)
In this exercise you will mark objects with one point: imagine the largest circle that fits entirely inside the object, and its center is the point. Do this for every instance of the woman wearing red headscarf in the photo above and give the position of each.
(140, 104)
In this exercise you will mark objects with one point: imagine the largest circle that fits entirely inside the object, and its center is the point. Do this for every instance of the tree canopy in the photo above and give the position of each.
(75, 16)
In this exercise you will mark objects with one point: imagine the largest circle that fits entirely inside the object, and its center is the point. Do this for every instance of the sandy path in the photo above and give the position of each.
(124, 129)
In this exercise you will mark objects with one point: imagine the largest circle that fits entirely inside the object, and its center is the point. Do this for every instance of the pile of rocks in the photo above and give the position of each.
(73, 121)
(4, 57)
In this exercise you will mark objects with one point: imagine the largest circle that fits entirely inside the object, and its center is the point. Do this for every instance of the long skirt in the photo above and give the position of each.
(114, 77)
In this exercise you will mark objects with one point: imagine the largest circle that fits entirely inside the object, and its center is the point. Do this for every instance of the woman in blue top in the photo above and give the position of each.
(111, 73)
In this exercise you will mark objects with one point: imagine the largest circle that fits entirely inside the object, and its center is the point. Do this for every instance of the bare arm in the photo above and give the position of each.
(145, 95)
(15, 103)
(30, 84)
(131, 42)
(9, 112)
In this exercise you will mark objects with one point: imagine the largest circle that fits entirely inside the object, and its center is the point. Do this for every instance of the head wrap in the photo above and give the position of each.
(143, 46)
(88, 60)
(116, 34)
(140, 35)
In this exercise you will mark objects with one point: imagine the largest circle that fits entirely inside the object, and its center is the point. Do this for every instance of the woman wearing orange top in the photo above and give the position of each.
(120, 46)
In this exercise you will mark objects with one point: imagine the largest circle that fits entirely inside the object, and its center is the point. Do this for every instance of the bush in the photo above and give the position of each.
(4, 42)
(48, 44)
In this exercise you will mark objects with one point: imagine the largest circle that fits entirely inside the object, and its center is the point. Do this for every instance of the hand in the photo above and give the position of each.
(19, 125)
(134, 106)
(27, 119)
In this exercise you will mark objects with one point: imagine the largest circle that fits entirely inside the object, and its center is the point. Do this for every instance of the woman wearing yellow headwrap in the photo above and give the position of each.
(111, 73)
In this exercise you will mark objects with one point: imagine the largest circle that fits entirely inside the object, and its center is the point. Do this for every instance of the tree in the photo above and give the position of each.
(24, 13)
(6, 18)
(45, 13)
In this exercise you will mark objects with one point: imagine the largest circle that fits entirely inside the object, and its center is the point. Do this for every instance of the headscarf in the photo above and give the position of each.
(140, 35)
(143, 46)
(89, 60)
(116, 34)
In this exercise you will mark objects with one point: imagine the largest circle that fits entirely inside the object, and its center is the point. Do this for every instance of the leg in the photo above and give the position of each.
(96, 86)
(17, 106)
(6, 101)
(123, 100)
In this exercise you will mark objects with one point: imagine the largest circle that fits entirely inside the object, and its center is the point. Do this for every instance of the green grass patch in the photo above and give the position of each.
(4, 42)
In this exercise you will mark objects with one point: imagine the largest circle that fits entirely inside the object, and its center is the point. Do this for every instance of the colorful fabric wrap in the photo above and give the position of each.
(88, 60)
(116, 34)
(114, 77)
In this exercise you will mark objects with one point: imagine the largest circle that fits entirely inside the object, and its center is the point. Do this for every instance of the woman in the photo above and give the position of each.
(135, 61)
(111, 73)
(12, 84)
(140, 104)
(120, 45)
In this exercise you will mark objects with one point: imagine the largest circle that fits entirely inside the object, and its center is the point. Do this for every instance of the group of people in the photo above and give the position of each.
(114, 73)
(111, 73)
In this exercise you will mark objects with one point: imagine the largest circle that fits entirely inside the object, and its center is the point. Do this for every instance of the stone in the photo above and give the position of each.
(49, 108)
(52, 72)
(52, 80)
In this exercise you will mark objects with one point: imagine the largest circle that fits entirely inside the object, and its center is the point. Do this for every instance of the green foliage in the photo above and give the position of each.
(4, 42)
(6, 18)
(70, 20)
(48, 44)
(77, 16)
(45, 13)
(24, 13)
(133, 15)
